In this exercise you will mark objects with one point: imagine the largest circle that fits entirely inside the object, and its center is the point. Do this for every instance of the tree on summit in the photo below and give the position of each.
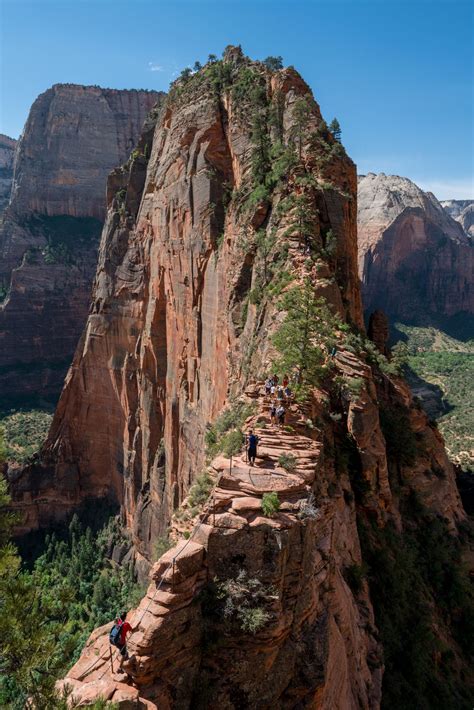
(335, 129)
(273, 63)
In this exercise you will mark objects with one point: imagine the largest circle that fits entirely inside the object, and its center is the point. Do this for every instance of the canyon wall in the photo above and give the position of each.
(50, 231)
(416, 263)
(7, 156)
(463, 212)
(199, 245)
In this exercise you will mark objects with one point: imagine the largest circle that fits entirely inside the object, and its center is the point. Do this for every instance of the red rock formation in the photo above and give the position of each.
(415, 262)
(176, 331)
(49, 235)
(379, 330)
(164, 341)
(7, 154)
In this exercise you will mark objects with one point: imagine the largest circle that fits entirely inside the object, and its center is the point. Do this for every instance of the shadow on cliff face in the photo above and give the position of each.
(431, 396)
(92, 513)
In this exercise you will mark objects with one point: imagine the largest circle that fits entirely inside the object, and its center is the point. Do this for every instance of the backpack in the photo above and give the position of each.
(115, 633)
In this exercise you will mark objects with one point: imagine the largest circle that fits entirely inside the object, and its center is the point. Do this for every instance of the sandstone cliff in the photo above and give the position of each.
(415, 262)
(49, 234)
(7, 155)
(198, 245)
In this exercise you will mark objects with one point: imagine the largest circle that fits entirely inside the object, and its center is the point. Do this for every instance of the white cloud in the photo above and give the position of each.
(153, 66)
(448, 189)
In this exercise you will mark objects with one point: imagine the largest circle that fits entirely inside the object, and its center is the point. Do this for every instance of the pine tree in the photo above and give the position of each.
(305, 336)
(274, 63)
(335, 129)
(197, 66)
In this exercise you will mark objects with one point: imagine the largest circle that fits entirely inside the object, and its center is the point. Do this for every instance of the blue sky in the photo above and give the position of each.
(397, 74)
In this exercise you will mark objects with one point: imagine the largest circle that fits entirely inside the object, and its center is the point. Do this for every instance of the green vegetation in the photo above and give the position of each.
(226, 435)
(246, 600)
(305, 336)
(199, 491)
(335, 129)
(288, 462)
(68, 238)
(24, 432)
(424, 611)
(50, 610)
(274, 63)
(441, 373)
(161, 545)
(270, 504)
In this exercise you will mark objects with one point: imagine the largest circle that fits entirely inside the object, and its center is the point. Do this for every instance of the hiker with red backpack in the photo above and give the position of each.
(118, 635)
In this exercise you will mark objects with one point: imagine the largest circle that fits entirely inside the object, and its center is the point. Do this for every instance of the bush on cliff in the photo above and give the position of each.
(246, 600)
(270, 504)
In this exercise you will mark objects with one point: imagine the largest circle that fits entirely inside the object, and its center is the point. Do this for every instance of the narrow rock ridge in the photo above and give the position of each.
(50, 231)
(415, 261)
(172, 330)
(180, 327)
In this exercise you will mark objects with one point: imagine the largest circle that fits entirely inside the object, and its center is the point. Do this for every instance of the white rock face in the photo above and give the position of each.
(463, 212)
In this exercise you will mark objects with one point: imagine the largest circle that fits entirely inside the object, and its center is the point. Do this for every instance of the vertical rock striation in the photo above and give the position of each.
(50, 231)
(196, 249)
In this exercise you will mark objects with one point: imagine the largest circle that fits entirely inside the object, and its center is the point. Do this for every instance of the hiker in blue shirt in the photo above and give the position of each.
(252, 441)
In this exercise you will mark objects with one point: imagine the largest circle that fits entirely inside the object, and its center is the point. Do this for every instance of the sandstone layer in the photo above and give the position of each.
(50, 231)
(196, 250)
(7, 155)
(416, 263)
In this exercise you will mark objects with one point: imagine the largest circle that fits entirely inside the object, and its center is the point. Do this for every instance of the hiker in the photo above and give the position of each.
(275, 379)
(118, 635)
(280, 394)
(280, 412)
(285, 381)
(252, 441)
(268, 386)
(273, 413)
(288, 392)
(272, 390)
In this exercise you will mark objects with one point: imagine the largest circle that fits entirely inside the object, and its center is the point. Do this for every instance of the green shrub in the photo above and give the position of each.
(245, 600)
(25, 431)
(232, 442)
(270, 504)
(225, 434)
(161, 545)
(199, 491)
(288, 461)
(252, 620)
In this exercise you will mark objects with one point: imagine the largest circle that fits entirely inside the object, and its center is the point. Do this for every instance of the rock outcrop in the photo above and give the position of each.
(463, 212)
(245, 193)
(7, 155)
(50, 231)
(415, 261)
